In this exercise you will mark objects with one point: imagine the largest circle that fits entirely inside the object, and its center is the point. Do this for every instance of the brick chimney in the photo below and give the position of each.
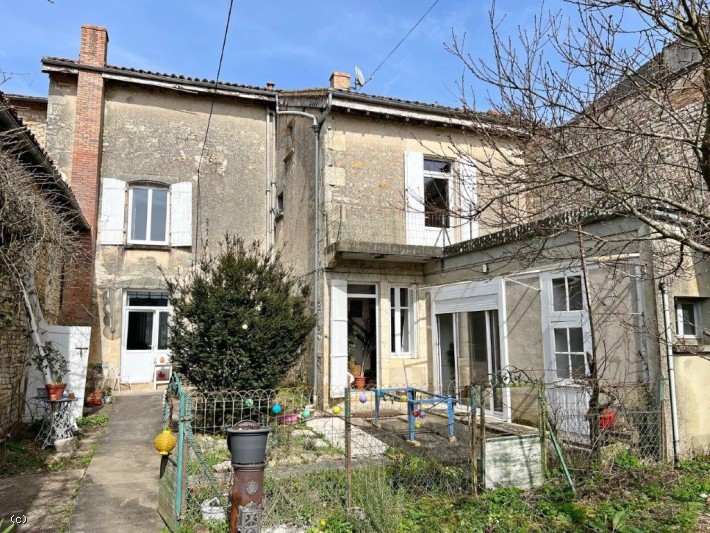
(85, 171)
(340, 80)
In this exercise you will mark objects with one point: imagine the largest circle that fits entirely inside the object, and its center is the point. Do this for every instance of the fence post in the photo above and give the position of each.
(482, 403)
(181, 457)
(348, 451)
(474, 443)
(542, 413)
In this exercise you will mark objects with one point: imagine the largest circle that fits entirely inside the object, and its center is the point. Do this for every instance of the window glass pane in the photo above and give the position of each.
(561, 340)
(140, 330)
(159, 215)
(574, 286)
(148, 298)
(559, 295)
(562, 360)
(403, 298)
(354, 288)
(163, 330)
(687, 311)
(432, 165)
(578, 365)
(139, 214)
(393, 302)
(436, 202)
(393, 335)
(404, 322)
(479, 343)
(576, 340)
(495, 344)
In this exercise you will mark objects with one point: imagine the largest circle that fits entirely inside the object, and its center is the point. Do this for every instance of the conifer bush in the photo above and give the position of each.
(240, 319)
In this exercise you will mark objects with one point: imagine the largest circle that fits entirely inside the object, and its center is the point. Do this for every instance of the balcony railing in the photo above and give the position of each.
(366, 223)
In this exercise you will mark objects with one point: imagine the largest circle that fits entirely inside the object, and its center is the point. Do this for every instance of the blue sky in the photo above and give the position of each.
(294, 44)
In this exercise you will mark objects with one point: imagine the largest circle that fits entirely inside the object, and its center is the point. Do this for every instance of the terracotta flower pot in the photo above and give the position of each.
(360, 382)
(55, 391)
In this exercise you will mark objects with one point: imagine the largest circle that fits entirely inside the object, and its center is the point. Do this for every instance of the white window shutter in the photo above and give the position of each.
(414, 325)
(338, 337)
(414, 194)
(181, 214)
(113, 209)
(469, 198)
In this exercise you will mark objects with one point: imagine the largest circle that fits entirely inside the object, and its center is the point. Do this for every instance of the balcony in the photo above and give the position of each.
(365, 232)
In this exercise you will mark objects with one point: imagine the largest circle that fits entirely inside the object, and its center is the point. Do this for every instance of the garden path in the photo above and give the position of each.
(120, 490)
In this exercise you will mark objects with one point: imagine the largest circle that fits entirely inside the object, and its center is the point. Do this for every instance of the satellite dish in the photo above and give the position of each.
(359, 78)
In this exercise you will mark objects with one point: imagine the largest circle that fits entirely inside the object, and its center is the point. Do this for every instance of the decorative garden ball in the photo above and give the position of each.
(306, 413)
(422, 414)
(336, 410)
(415, 412)
(363, 398)
(248, 403)
(417, 425)
(276, 409)
(403, 398)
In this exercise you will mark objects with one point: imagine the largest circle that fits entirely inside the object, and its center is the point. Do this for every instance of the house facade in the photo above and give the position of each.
(371, 200)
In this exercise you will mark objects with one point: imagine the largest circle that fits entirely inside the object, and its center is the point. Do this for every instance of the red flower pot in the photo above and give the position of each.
(607, 418)
(55, 391)
(360, 382)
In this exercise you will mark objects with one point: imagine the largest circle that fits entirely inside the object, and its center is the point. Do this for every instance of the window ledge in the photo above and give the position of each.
(690, 346)
(141, 246)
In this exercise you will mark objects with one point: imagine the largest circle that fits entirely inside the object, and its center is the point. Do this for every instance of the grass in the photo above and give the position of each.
(92, 420)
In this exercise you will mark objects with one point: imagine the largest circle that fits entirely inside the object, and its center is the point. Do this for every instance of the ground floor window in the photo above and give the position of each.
(401, 327)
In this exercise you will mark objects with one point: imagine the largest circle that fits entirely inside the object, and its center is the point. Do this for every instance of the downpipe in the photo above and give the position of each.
(671, 370)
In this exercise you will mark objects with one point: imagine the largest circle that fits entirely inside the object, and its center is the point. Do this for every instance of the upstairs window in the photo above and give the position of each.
(688, 318)
(148, 215)
(437, 177)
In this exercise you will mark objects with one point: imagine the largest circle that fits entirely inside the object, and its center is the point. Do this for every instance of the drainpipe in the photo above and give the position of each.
(671, 370)
(316, 126)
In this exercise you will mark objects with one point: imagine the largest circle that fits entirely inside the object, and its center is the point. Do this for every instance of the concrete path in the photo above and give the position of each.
(120, 490)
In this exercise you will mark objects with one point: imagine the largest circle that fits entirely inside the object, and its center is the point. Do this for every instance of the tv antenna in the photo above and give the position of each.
(359, 78)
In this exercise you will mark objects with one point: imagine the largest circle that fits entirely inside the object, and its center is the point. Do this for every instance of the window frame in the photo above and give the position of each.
(679, 322)
(437, 175)
(396, 310)
(149, 219)
(566, 320)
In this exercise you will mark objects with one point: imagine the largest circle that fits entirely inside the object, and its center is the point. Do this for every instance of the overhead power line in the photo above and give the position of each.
(209, 121)
(400, 43)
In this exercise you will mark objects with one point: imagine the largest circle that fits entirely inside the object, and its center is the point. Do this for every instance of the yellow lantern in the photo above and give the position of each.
(165, 442)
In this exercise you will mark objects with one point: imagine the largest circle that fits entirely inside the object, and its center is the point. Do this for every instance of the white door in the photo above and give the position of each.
(145, 334)
(567, 341)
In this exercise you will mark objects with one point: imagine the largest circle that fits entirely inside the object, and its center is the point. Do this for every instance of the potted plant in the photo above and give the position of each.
(366, 335)
(54, 366)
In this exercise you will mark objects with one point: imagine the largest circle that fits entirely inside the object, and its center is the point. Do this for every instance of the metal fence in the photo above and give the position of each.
(372, 453)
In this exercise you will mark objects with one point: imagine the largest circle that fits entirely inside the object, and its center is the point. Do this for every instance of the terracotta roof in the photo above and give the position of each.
(54, 174)
(171, 77)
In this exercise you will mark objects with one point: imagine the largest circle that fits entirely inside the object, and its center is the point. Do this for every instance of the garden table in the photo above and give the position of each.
(56, 422)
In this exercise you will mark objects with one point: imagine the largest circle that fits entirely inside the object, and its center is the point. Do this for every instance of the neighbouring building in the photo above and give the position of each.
(40, 219)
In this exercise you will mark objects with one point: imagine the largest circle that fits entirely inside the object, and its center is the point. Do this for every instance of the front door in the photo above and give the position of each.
(145, 338)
